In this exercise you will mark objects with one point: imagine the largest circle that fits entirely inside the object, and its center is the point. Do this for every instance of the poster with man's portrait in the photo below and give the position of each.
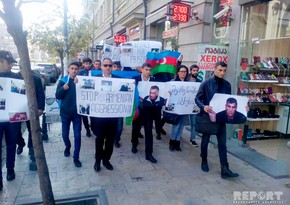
(231, 109)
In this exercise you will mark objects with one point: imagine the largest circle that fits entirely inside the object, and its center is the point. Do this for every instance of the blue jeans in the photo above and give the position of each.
(192, 127)
(11, 131)
(119, 130)
(176, 130)
(77, 124)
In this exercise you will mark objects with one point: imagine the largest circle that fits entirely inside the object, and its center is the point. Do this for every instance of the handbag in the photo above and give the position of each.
(171, 118)
(204, 125)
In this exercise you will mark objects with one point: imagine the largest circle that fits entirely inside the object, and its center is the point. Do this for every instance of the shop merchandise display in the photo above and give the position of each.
(265, 82)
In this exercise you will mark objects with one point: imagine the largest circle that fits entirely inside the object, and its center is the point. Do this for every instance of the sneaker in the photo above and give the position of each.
(10, 174)
(88, 133)
(77, 163)
(67, 151)
(194, 143)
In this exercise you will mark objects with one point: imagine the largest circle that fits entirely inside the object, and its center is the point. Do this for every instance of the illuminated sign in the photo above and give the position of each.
(120, 38)
(179, 12)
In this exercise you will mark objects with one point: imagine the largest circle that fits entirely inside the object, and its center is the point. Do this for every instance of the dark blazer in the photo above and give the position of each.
(208, 88)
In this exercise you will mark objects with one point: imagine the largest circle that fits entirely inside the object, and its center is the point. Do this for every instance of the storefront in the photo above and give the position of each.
(263, 73)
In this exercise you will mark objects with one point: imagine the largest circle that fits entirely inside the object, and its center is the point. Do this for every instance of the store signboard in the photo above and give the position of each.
(170, 33)
(208, 55)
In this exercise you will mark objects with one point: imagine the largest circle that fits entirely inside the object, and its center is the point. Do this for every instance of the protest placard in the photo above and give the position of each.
(112, 52)
(179, 96)
(105, 97)
(133, 53)
(230, 109)
(10, 109)
(51, 105)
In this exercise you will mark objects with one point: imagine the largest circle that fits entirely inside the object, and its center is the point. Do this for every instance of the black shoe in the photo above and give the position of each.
(171, 145)
(10, 174)
(88, 133)
(204, 166)
(177, 146)
(158, 137)
(151, 159)
(32, 166)
(66, 151)
(194, 143)
(1, 184)
(134, 149)
(19, 150)
(117, 145)
(140, 135)
(108, 165)
(30, 151)
(97, 166)
(227, 173)
(163, 131)
(77, 163)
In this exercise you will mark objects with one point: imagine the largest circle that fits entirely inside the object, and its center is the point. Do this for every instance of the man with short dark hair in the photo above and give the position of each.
(193, 78)
(10, 130)
(86, 71)
(97, 65)
(137, 122)
(151, 110)
(207, 89)
(230, 114)
(104, 128)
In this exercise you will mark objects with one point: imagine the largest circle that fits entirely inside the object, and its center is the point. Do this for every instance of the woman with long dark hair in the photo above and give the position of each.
(176, 130)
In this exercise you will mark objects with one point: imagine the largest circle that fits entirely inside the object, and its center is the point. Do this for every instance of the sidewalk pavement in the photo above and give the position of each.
(175, 179)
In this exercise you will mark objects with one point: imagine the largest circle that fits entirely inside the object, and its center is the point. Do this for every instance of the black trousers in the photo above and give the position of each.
(86, 122)
(148, 126)
(222, 147)
(136, 129)
(105, 130)
(20, 139)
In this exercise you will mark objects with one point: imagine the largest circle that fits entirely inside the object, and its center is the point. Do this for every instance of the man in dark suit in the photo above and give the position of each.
(151, 110)
(104, 128)
(230, 114)
(137, 122)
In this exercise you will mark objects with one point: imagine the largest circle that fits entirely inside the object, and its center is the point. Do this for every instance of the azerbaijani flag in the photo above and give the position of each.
(164, 61)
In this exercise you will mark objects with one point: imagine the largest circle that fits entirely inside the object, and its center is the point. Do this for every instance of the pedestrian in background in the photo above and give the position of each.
(207, 89)
(86, 71)
(11, 130)
(193, 78)
(66, 92)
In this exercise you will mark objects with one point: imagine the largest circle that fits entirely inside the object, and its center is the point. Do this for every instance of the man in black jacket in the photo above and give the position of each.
(137, 122)
(66, 92)
(10, 130)
(207, 89)
(104, 128)
(151, 110)
(40, 97)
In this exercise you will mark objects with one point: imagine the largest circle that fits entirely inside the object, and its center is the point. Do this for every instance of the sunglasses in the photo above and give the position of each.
(108, 65)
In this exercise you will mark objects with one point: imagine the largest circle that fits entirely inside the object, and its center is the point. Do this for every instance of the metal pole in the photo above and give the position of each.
(65, 36)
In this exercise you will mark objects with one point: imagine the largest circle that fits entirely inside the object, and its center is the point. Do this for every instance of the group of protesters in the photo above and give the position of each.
(108, 131)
